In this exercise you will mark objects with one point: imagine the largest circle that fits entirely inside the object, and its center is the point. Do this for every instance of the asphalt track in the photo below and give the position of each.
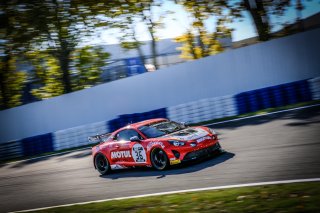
(280, 146)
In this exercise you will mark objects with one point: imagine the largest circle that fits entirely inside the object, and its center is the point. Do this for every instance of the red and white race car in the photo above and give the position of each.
(156, 143)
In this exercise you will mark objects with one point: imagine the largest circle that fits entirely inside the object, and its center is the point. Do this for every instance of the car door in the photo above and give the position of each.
(124, 151)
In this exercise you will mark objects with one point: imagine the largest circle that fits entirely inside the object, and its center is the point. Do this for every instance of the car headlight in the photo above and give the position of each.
(212, 131)
(176, 143)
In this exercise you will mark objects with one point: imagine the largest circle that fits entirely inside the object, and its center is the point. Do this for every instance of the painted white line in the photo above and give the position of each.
(45, 156)
(181, 191)
(264, 114)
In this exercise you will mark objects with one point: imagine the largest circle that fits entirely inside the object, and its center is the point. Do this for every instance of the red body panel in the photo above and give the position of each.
(122, 154)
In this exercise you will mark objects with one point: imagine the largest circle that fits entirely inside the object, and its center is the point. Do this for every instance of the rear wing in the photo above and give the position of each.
(99, 138)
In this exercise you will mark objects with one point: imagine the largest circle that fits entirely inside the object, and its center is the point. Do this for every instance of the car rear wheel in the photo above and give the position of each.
(159, 159)
(102, 164)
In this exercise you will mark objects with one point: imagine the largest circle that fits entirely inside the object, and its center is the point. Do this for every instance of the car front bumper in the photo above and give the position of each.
(202, 153)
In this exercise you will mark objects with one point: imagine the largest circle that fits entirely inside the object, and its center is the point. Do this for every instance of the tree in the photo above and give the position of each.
(130, 12)
(261, 11)
(47, 75)
(197, 41)
(16, 31)
(129, 40)
(191, 49)
(88, 63)
(67, 23)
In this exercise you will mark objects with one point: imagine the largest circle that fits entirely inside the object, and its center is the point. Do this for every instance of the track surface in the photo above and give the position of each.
(274, 147)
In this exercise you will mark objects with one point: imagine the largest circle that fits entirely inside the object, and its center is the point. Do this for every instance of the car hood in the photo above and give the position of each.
(187, 134)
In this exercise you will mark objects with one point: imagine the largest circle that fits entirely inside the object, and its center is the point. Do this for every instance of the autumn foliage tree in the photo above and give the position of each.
(198, 42)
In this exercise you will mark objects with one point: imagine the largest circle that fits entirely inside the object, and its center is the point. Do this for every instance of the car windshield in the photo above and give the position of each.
(159, 129)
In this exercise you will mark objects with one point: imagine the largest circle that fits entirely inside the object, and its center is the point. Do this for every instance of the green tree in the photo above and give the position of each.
(197, 42)
(88, 63)
(16, 32)
(47, 74)
(12, 83)
(65, 24)
(191, 49)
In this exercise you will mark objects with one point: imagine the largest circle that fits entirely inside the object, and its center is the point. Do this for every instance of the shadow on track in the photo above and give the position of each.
(303, 117)
(60, 157)
(189, 167)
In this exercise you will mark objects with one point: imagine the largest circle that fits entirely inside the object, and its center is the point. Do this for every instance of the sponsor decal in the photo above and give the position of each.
(97, 148)
(138, 153)
(121, 154)
(151, 144)
(203, 138)
(173, 162)
(196, 133)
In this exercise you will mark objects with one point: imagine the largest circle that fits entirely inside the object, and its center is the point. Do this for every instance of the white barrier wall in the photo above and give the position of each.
(77, 136)
(270, 63)
(203, 110)
(315, 88)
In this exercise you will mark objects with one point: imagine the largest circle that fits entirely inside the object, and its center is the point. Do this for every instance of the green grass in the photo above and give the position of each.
(295, 197)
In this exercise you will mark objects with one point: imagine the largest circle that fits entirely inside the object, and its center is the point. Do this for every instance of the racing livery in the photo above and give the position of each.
(156, 143)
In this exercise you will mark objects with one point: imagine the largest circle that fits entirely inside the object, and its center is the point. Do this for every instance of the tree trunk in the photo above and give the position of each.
(204, 52)
(4, 93)
(154, 53)
(139, 50)
(259, 16)
(4, 24)
(64, 61)
(153, 44)
(191, 44)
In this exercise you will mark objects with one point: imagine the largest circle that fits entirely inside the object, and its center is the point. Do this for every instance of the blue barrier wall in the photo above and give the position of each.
(37, 145)
(276, 96)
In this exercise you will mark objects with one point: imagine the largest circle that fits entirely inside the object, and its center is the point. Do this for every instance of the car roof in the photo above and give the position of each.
(143, 123)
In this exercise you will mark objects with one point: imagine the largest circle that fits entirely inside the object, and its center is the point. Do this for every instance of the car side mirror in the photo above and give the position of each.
(135, 139)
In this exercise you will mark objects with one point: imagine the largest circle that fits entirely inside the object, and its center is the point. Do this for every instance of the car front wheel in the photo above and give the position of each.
(159, 159)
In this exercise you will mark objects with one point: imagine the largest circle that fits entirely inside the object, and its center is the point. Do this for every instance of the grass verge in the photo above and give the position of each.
(294, 197)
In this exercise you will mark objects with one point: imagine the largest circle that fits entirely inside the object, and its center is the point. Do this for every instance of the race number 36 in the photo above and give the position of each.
(138, 153)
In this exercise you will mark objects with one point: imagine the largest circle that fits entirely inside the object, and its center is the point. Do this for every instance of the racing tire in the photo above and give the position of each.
(159, 159)
(102, 164)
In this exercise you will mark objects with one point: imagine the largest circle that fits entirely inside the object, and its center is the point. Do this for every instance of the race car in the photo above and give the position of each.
(156, 143)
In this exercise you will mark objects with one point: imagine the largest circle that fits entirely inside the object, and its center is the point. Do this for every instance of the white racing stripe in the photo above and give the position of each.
(261, 115)
(182, 191)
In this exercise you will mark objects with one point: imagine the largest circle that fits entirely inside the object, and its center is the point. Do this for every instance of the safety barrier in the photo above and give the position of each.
(315, 88)
(37, 144)
(192, 112)
(10, 150)
(275, 96)
(204, 109)
(77, 136)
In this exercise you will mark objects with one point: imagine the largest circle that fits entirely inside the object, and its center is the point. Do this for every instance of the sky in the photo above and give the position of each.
(177, 24)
